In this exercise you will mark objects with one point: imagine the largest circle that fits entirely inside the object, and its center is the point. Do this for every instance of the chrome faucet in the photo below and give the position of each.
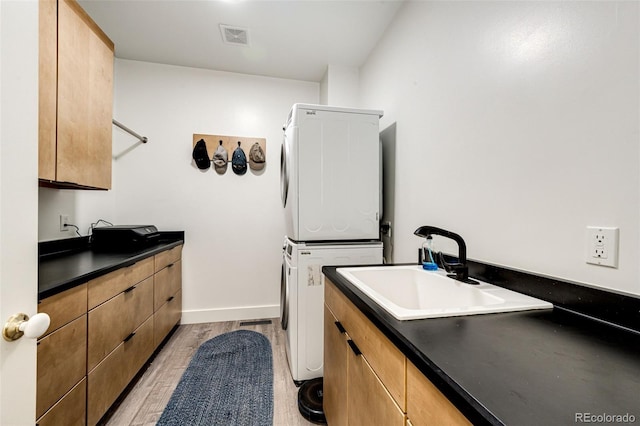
(460, 270)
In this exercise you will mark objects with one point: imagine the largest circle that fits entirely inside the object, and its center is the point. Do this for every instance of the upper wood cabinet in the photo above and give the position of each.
(75, 98)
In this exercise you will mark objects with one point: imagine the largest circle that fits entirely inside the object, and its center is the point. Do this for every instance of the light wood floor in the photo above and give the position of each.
(148, 396)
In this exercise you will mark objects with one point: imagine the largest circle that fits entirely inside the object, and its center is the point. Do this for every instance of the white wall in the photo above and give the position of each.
(517, 127)
(233, 225)
(339, 86)
(81, 206)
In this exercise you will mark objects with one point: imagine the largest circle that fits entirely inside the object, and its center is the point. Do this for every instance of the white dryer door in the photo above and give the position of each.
(338, 176)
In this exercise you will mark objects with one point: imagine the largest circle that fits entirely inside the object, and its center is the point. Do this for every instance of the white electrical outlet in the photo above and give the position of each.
(64, 221)
(602, 246)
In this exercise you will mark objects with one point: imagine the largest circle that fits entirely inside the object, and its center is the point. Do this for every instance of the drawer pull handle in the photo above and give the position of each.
(133, 287)
(354, 348)
(129, 337)
(170, 299)
(170, 265)
(340, 327)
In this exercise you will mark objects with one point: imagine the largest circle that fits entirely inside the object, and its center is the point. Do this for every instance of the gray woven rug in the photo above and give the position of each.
(229, 381)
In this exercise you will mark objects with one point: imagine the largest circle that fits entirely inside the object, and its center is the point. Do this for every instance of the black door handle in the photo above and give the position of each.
(354, 348)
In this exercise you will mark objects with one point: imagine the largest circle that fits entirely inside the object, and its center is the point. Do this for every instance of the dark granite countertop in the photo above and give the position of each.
(551, 367)
(66, 269)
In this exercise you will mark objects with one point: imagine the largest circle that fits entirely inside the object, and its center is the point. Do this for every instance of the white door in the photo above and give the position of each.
(18, 203)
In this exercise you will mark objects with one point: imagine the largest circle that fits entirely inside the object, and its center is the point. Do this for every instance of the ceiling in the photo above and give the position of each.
(293, 39)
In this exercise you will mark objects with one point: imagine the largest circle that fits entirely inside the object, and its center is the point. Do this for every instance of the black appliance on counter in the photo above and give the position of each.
(124, 237)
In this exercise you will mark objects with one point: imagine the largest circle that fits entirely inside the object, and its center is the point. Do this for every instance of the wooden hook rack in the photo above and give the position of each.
(230, 143)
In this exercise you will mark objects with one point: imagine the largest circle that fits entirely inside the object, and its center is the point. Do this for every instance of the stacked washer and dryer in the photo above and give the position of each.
(330, 173)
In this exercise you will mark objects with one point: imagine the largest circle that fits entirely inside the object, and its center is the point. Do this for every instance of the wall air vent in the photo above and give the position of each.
(234, 35)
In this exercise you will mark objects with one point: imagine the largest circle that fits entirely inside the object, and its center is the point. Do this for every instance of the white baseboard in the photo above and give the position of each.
(230, 314)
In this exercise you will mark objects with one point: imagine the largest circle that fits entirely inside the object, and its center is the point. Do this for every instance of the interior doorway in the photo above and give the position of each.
(388, 143)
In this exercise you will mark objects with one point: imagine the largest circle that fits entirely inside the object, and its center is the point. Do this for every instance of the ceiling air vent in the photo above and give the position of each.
(234, 35)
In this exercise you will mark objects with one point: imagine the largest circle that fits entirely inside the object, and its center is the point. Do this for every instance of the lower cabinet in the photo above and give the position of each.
(61, 364)
(107, 381)
(369, 400)
(105, 331)
(426, 405)
(166, 317)
(368, 381)
(62, 357)
(334, 392)
(123, 314)
(353, 392)
(70, 410)
(167, 296)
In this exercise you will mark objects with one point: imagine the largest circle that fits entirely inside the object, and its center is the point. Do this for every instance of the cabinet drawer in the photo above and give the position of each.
(334, 397)
(107, 381)
(386, 360)
(70, 410)
(105, 287)
(64, 307)
(371, 404)
(166, 317)
(139, 348)
(334, 299)
(167, 257)
(167, 282)
(61, 363)
(111, 322)
(426, 405)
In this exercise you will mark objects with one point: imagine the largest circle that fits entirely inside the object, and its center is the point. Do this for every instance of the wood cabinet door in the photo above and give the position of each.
(113, 321)
(85, 99)
(64, 307)
(387, 360)
(71, 410)
(62, 363)
(139, 348)
(369, 401)
(167, 257)
(334, 398)
(426, 405)
(47, 88)
(167, 282)
(107, 286)
(107, 381)
(167, 317)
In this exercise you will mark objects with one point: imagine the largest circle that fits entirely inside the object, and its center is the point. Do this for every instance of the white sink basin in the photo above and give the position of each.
(410, 292)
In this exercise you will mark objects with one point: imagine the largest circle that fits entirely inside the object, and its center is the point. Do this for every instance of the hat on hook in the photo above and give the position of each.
(220, 159)
(201, 156)
(239, 161)
(256, 157)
